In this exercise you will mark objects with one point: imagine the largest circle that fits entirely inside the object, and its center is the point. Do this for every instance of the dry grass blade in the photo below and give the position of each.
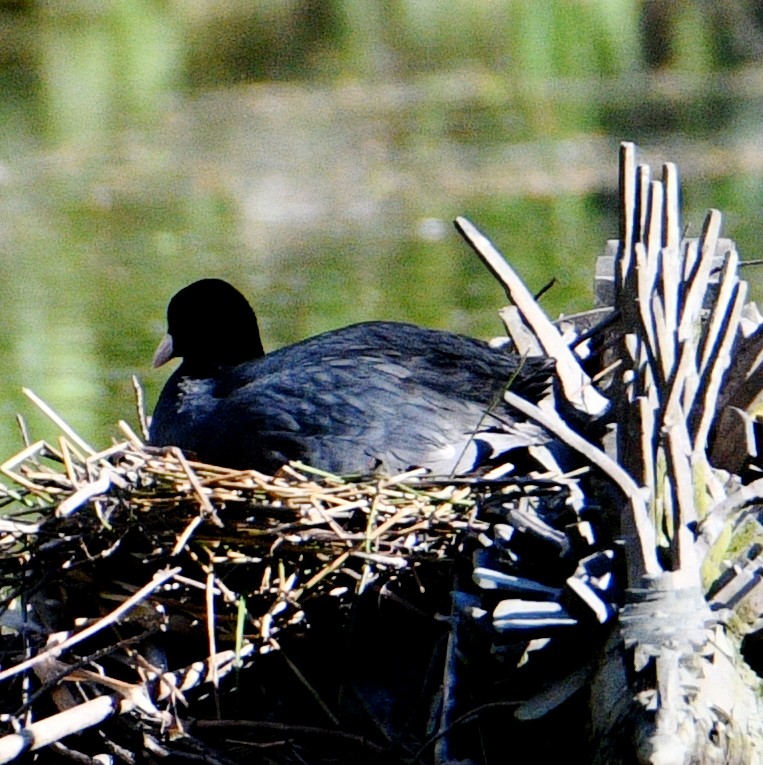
(698, 279)
(207, 507)
(672, 229)
(646, 275)
(630, 196)
(717, 369)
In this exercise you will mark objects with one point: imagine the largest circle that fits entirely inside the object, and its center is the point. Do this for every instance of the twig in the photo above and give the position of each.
(54, 652)
(140, 405)
(58, 421)
(577, 386)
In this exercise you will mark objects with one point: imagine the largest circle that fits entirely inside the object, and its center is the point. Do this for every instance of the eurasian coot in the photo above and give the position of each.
(378, 396)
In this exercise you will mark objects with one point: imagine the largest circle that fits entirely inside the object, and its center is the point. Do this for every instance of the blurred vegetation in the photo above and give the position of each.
(315, 151)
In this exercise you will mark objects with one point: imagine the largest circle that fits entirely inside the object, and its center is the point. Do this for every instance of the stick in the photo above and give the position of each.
(577, 385)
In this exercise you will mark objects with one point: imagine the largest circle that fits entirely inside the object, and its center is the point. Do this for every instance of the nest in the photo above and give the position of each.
(133, 577)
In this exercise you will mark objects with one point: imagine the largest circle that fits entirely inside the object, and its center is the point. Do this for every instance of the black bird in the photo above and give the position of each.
(372, 397)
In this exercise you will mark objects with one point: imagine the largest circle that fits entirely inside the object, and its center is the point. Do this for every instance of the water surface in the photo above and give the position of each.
(324, 185)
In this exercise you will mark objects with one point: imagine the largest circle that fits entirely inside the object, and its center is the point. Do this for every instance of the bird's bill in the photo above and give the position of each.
(164, 352)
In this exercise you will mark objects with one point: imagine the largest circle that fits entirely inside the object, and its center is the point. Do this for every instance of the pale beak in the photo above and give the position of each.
(164, 352)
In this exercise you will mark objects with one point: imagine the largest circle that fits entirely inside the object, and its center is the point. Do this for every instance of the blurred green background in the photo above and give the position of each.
(314, 152)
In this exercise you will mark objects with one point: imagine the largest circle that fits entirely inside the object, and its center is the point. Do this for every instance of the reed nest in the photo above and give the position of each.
(588, 601)
(121, 565)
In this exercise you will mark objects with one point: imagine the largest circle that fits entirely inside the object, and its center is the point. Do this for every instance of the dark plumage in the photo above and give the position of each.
(378, 396)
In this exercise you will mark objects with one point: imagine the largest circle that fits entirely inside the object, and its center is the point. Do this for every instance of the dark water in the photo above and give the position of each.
(323, 183)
